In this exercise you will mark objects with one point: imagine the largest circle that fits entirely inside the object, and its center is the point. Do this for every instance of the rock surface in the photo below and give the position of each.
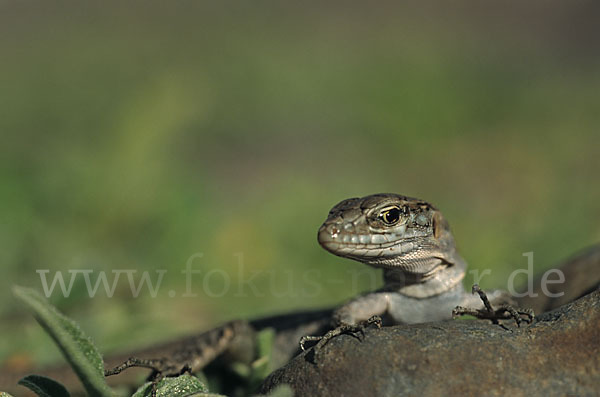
(558, 354)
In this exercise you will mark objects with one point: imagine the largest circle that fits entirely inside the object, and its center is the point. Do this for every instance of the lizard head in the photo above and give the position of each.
(390, 231)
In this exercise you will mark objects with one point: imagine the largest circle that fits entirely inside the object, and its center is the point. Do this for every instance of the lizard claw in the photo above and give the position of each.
(504, 312)
(343, 328)
(307, 338)
(374, 320)
(161, 368)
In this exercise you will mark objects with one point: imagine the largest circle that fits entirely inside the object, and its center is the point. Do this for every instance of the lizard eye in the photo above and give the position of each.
(390, 216)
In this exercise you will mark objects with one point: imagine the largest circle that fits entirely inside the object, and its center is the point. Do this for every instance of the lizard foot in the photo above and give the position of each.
(504, 312)
(357, 330)
(161, 368)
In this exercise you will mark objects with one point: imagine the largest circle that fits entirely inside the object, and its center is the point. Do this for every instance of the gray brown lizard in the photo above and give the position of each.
(406, 237)
(410, 240)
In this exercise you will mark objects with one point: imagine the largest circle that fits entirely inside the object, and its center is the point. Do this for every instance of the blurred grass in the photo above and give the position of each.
(135, 135)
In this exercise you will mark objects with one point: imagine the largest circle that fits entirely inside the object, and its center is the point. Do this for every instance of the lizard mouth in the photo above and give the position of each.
(341, 243)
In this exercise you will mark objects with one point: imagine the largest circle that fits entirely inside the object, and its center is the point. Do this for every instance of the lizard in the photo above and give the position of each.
(422, 271)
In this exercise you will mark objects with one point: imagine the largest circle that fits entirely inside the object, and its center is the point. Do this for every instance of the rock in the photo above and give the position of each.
(558, 354)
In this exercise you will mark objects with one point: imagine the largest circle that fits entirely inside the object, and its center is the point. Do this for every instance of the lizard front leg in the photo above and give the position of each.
(504, 311)
(362, 308)
(399, 308)
(353, 317)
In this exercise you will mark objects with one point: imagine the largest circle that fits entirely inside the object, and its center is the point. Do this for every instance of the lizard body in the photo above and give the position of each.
(408, 238)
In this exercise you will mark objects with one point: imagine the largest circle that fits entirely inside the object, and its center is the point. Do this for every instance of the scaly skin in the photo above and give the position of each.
(411, 241)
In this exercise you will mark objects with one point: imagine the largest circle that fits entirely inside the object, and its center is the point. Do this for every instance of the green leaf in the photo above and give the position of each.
(43, 386)
(265, 340)
(261, 367)
(5, 394)
(77, 348)
(184, 385)
(257, 371)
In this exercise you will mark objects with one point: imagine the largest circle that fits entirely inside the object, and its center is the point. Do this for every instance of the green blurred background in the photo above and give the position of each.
(136, 134)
